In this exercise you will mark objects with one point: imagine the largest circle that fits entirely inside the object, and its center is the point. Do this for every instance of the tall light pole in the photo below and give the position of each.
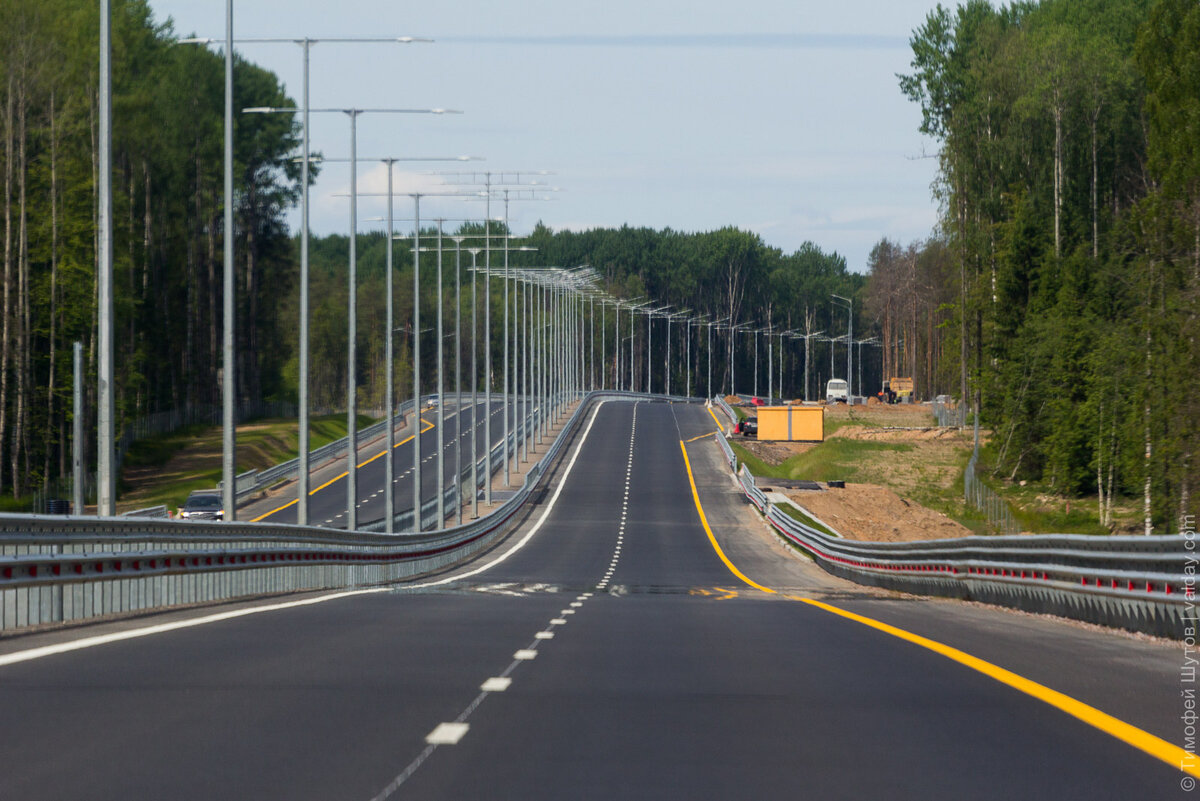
(808, 338)
(670, 317)
(474, 386)
(106, 487)
(717, 324)
(229, 369)
(849, 347)
(692, 322)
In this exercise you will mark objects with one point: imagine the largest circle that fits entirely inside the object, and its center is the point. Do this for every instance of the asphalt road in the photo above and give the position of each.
(328, 493)
(638, 666)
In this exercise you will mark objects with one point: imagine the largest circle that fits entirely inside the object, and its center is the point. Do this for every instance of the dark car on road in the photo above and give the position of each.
(748, 427)
(203, 505)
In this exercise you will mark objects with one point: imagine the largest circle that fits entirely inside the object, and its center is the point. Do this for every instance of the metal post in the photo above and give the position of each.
(416, 324)
(352, 337)
(649, 351)
(302, 477)
(441, 394)
(458, 407)
(631, 349)
(77, 487)
(229, 383)
(603, 348)
(389, 480)
(710, 392)
(770, 375)
(474, 386)
(507, 477)
(106, 490)
(688, 357)
(525, 386)
(487, 346)
(668, 367)
(617, 336)
(756, 362)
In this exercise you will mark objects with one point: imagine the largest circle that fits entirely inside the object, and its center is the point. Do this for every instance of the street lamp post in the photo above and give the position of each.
(474, 385)
(670, 318)
(849, 347)
(106, 487)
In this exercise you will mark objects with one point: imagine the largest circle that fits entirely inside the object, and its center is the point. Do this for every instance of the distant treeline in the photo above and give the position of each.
(1062, 289)
(721, 274)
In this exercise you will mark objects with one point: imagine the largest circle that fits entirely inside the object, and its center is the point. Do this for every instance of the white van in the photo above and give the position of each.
(837, 391)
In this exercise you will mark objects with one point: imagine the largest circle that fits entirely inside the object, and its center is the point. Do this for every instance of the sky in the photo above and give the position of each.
(781, 117)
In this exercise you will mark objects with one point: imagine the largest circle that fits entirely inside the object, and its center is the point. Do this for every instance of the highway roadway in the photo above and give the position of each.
(617, 646)
(327, 493)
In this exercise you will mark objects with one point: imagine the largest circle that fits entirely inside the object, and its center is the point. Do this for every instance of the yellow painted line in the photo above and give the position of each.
(715, 420)
(311, 492)
(1127, 733)
(702, 436)
(262, 517)
(704, 522)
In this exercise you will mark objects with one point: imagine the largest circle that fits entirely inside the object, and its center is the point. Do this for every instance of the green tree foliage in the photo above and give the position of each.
(1070, 183)
(167, 175)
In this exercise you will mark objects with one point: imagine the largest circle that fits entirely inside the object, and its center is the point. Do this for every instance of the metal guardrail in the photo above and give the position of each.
(150, 511)
(1131, 582)
(63, 568)
(720, 403)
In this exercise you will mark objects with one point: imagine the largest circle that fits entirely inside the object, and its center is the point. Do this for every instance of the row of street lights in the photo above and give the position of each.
(541, 373)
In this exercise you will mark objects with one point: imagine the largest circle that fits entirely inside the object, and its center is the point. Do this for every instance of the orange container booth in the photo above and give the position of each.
(791, 423)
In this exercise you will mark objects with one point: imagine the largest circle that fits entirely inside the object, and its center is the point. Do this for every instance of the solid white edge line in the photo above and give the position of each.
(131, 634)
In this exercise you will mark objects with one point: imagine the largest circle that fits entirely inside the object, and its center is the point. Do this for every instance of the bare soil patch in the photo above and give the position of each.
(876, 514)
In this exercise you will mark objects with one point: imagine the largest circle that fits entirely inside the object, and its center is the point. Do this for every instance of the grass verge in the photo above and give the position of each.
(832, 459)
(164, 469)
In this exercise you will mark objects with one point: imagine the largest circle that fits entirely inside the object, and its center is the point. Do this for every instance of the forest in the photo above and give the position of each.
(167, 176)
(1059, 295)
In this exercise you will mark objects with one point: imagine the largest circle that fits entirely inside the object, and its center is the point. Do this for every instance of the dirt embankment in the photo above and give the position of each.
(876, 514)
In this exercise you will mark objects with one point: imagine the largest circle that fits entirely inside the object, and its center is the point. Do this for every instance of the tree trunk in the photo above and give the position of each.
(1058, 178)
(21, 357)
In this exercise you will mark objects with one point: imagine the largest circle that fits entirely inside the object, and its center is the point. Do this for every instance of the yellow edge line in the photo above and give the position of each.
(702, 436)
(715, 420)
(708, 530)
(294, 501)
(1142, 740)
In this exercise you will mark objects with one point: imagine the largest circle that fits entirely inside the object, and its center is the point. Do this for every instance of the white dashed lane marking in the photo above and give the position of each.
(447, 733)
